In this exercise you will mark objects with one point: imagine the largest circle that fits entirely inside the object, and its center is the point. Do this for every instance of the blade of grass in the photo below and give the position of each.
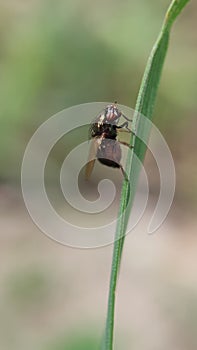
(144, 105)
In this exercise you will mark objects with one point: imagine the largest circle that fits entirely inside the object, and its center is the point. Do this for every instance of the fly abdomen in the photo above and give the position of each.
(109, 153)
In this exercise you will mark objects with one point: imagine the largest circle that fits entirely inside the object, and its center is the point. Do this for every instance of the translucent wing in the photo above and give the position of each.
(124, 135)
(91, 157)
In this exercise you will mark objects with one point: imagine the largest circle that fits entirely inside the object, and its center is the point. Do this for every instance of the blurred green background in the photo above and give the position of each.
(54, 55)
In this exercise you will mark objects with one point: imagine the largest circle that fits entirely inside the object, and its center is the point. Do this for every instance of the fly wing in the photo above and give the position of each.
(91, 158)
(124, 135)
(123, 130)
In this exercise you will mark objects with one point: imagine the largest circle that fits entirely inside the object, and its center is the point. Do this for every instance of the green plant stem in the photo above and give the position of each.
(144, 105)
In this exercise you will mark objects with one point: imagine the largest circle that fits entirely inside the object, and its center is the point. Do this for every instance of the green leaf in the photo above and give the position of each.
(144, 105)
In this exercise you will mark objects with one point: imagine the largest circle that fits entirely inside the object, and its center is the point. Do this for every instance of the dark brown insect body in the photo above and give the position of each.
(105, 146)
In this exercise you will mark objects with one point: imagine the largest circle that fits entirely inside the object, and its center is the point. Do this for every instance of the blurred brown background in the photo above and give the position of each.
(54, 55)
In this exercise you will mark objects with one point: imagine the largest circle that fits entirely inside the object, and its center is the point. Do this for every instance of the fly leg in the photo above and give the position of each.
(121, 167)
(125, 128)
(126, 144)
(124, 173)
(125, 117)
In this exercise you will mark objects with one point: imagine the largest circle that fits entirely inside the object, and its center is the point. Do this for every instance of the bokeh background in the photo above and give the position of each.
(54, 55)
